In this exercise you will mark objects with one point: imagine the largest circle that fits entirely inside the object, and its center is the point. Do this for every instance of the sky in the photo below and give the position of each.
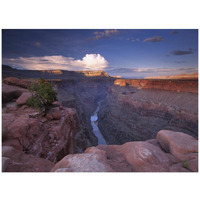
(130, 53)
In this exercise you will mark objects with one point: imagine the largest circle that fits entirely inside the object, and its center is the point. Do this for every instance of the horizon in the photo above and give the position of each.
(129, 53)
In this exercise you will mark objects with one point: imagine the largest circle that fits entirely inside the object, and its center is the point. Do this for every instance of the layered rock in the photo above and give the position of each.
(170, 85)
(17, 82)
(133, 114)
(147, 156)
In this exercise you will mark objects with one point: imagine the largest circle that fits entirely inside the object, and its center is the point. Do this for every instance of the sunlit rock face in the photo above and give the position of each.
(136, 110)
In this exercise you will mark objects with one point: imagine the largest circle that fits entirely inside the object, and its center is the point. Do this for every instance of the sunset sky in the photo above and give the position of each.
(130, 53)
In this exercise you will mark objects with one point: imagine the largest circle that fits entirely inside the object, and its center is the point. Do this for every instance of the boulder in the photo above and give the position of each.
(53, 113)
(93, 160)
(23, 98)
(145, 157)
(18, 161)
(179, 144)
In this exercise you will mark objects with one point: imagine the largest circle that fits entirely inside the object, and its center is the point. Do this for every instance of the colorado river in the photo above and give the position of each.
(96, 130)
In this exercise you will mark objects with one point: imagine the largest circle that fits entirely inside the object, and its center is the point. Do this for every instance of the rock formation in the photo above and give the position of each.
(140, 109)
(49, 137)
(147, 156)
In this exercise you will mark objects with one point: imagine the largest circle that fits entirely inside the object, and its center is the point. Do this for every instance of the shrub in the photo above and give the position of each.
(43, 95)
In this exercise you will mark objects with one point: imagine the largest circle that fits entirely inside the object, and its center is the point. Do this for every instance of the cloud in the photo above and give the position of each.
(181, 52)
(89, 62)
(104, 34)
(174, 32)
(154, 39)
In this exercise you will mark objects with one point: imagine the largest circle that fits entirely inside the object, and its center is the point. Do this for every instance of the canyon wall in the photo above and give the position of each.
(83, 95)
(136, 110)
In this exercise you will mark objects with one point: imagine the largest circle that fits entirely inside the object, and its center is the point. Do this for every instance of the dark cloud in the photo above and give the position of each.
(181, 52)
(154, 39)
(174, 32)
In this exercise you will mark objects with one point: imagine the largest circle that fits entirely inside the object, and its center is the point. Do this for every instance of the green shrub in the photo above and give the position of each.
(43, 95)
(33, 102)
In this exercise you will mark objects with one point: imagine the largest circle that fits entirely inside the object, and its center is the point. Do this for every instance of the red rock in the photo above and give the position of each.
(17, 82)
(180, 145)
(93, 160)
(54, 113)
(171, 85)
(178, 168)
(145, 157)
(7, 119)
(10, 92)
(18, 161)
(23, 98)
(193, 164)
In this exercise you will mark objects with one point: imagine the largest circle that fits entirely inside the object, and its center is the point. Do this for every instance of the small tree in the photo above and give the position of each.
(43, 95)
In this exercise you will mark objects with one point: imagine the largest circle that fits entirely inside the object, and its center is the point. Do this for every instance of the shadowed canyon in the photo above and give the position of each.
(100, 124)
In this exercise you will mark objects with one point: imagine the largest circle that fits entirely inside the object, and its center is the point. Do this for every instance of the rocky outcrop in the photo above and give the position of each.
(17, 161)
(132, 114)
(10, 92)
(36, 135)
(23, 98)
(183, 146)
(93, 160)
(147, 156)
(170, 85)
(17, 82)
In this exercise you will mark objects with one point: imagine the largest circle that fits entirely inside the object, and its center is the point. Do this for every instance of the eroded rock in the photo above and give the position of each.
(93, 160)
(181, 145)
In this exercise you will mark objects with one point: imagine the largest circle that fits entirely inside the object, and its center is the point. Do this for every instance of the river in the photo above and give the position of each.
(95, 127)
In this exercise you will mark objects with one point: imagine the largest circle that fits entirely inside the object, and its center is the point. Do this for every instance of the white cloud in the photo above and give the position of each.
(89, 62)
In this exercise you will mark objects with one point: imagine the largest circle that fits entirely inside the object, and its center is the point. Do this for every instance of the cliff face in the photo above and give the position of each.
(136, 110)
(170, 85)
(49, 137)
(83, 95)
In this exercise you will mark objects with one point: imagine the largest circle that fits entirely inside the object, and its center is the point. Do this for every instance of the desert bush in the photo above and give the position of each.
(43, 95)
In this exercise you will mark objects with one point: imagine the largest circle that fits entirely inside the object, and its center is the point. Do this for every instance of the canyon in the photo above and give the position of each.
(148, 125)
